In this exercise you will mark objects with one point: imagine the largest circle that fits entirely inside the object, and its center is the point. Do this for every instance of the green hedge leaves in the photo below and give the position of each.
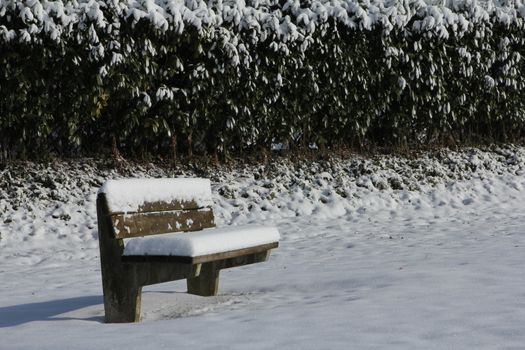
(148, 77)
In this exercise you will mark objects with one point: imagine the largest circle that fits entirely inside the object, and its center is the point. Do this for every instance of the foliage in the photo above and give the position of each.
(230, 76)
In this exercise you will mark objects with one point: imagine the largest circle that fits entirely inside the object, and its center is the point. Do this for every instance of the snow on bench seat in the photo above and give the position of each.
(205, 242)
(130, 195)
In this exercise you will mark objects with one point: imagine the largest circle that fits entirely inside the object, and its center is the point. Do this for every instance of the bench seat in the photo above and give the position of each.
(201, 246)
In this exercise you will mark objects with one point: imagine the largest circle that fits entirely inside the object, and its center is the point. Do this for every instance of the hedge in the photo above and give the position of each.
(79, 77)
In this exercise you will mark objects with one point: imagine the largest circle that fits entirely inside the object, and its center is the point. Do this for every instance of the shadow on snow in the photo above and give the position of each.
(48, 311)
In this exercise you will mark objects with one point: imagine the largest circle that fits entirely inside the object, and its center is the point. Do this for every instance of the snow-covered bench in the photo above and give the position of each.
(144, 235)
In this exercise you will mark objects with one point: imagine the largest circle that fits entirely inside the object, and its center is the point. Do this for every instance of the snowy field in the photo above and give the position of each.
(383, 253)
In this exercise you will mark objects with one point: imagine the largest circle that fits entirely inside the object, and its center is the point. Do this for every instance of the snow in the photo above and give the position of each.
(388, 252)
(210, 241)
(128, 195)
(290, 22)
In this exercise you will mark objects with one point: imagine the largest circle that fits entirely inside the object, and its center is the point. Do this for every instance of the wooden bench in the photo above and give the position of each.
(137, 224)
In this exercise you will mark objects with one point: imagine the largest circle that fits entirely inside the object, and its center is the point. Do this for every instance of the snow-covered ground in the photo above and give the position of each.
(381, 253)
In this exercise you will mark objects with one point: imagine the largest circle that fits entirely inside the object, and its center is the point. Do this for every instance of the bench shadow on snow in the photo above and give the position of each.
(49, 311)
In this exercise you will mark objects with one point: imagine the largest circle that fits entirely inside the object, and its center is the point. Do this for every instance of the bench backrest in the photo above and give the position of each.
(142, 207)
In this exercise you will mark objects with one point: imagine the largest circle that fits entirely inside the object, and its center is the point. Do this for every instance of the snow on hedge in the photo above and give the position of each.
(295, 20)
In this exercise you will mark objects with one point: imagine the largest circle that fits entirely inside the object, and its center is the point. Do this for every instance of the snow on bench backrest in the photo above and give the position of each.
(146, 195)
(141, 207)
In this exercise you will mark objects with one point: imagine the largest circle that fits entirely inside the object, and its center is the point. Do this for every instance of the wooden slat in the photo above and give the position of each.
(199, 259)
(149, 207)
(145, 224)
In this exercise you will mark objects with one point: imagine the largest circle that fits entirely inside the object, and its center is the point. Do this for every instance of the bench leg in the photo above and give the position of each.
(207, 283)
(122, 303)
